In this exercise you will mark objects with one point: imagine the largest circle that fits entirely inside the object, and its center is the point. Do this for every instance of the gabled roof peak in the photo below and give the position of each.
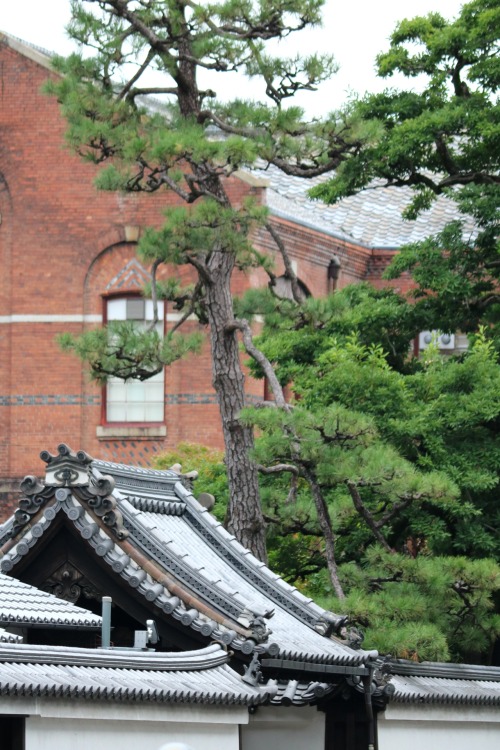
(146, 528)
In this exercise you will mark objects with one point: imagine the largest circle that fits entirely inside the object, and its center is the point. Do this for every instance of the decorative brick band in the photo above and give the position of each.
(181, 399)
(50, 399)
(74, 399)
(178, 399)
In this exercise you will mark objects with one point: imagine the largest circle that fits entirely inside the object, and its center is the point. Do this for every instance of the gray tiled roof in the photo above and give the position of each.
(439, 690)
(21, 604)
(6, 637)
(204, 579)
(200, 550)
(201, 676)
(434, 682)
(371, 219)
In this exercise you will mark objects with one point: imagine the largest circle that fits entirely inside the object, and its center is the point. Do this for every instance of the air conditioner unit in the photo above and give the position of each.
(443, 340)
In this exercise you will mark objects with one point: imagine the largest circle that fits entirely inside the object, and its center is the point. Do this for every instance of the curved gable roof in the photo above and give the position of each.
(437, 683)
(202, 676)
(152, 533)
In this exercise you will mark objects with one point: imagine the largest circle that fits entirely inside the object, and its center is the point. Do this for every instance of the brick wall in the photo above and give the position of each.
(63, 246)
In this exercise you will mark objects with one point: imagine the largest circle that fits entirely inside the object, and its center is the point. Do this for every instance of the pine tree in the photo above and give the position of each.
(190, 148)
(440, 142)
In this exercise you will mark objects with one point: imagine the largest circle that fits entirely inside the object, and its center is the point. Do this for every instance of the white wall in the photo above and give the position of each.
(293, 728)
(61, 724)
(439, 728)
(66, 734)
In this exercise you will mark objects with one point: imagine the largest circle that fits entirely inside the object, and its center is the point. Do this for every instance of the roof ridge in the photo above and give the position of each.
(168, 661)
(401, 667)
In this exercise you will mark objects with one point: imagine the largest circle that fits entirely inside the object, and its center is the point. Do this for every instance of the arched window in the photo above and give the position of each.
(135, 401)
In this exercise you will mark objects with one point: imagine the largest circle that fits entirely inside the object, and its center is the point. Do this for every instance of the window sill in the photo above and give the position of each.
(137, 432)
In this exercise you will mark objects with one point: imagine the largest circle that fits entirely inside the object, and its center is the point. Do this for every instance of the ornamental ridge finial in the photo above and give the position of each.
(70, 471)
(66, 468)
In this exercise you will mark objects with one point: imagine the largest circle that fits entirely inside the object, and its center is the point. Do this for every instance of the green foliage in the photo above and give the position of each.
(126, 350)
(418, 440)
(188, 232)
(448, 134)
(183, 140)
(424, 608)
(456, 277)
(295, 336)
(421, 447)
(404, 452)
(209, 463)
(423, 600)
(442, 141)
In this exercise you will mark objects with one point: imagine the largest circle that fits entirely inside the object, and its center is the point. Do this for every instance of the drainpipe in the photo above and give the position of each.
(367, 683)
(106, 622)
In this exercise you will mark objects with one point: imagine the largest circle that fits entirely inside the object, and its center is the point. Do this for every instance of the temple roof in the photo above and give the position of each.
(23, 605)
(6, 637)
(150, 531)
(201, 676)
(438, 683)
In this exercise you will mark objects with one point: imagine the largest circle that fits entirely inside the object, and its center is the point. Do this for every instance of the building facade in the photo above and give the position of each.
(68, 262)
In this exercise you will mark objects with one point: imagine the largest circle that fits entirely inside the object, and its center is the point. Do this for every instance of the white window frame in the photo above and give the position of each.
(135, 401)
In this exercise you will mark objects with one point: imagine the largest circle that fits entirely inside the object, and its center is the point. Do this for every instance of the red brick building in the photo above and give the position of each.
(68, 262)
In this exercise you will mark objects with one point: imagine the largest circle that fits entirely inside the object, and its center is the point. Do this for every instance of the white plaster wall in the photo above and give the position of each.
(439, 728)
(279, 728)
(78, 734)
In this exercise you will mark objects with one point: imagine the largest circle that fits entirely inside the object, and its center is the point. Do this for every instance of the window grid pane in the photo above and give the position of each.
(135, 400)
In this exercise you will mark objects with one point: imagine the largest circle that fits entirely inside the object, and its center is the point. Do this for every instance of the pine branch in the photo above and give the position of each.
(154, 295)
(142, 69)
(193, 300)
(120, 8)
(395, 509)
(366, 515)
(290, 274)
(243, 326)
(230, 129)
(278, 469)
(375, 583)
(305, 467)
(201, 267)
(326, 529)
(305, 170)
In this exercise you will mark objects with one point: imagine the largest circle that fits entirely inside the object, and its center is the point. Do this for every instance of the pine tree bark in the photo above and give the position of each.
(245, 518)
(326, 528)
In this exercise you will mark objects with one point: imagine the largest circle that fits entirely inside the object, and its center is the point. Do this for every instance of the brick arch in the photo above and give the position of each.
(306, 281)
(106, 267)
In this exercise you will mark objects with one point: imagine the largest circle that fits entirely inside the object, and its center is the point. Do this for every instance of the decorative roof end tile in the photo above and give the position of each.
(66, 468)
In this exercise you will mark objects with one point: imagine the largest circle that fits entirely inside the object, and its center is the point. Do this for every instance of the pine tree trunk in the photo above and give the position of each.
(328, 536)
(245, 519)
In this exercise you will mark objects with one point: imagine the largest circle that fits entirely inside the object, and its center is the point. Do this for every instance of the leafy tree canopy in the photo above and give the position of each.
(405, 451)
(446, 136)
(187, 142)
(440, 142)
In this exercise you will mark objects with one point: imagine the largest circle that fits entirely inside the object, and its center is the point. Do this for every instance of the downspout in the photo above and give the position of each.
(367, 683)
